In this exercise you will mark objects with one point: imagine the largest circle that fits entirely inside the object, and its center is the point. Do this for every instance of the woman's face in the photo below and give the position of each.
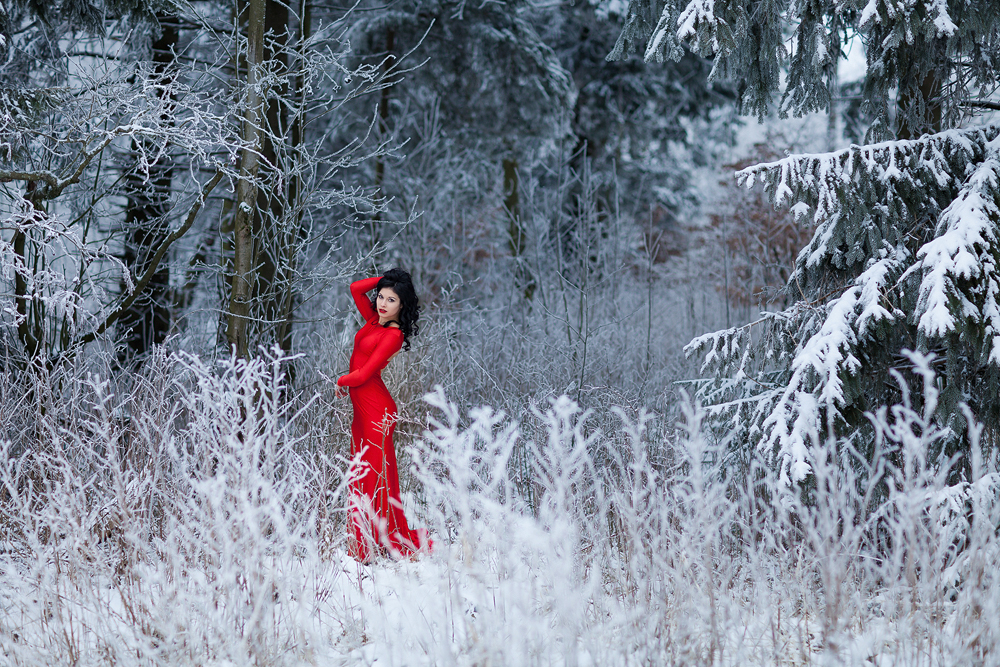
(388, 305)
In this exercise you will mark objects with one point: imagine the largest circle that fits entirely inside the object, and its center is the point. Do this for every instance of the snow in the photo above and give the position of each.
(942, 21)
(876, 283)
(621, 563)
(697, 12)
(816, 384)
(869, 13)
(961, 253)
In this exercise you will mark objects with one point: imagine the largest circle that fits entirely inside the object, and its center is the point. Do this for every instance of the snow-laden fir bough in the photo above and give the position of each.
(904, 256)
(905, 252)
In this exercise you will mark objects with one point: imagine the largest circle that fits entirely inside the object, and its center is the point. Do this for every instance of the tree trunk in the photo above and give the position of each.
(512, 205)
(383, 131)
(146, 323)
(21, 295)
(246, 188)
(29, 328)
(271, 218)
(925, 102)
(294, 231)
(919, 108)
(515, 230)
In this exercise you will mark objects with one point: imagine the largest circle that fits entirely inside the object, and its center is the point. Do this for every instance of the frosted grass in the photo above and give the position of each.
(204, 529)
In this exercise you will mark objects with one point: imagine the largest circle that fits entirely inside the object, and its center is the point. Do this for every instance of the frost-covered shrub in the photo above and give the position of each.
(196, 520)
(168, 534)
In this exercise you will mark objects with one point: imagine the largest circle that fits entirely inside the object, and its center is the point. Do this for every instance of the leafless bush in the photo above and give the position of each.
(195, 520)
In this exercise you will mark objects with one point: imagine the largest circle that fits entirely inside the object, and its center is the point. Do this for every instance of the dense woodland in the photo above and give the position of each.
(709, 353)
(485, 155)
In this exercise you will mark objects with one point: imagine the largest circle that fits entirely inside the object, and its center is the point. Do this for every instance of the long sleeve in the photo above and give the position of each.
(359, 290)
(390, 344)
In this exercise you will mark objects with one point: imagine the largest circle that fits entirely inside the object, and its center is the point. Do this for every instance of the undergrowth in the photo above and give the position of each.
(195, 517)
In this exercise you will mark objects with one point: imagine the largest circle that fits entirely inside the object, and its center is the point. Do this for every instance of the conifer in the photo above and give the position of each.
(906, 250)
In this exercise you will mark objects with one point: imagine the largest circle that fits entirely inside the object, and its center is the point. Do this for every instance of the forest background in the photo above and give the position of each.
(726, 424)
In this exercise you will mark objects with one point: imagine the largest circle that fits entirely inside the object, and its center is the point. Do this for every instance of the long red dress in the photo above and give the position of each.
(377, 522)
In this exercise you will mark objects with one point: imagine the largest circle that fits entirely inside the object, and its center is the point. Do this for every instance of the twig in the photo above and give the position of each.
(154, 262)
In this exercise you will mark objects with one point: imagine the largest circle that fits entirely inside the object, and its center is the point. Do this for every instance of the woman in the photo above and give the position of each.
(377, 523)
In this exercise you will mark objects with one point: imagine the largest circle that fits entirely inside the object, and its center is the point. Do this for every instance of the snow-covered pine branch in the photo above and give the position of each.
(929, 57)
(904, 257)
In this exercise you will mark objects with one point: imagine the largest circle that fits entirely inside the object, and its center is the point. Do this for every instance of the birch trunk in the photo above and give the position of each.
(246, 188)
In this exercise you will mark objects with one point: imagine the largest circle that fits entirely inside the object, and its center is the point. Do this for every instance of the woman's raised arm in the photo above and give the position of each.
(359, 290)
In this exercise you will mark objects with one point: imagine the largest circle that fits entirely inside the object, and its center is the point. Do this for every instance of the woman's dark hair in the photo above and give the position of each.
(409, 311)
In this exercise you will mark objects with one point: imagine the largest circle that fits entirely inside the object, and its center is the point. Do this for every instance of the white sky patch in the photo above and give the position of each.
(853, 66)
(606, 7)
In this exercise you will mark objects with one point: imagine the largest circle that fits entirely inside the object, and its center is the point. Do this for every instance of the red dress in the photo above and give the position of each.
(377, 522)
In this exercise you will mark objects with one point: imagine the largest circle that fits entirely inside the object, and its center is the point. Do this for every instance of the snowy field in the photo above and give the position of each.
(201, 532)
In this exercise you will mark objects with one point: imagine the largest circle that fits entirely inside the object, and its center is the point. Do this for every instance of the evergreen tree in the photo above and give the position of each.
(624, 118)
(934, 56)
(489, 92)
(906, 252)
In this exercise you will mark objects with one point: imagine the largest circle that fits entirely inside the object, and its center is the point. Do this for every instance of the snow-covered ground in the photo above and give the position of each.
(205, 534)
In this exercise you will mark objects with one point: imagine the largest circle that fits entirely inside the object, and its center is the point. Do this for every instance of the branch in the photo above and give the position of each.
(47, 176)
(982, 104)
(155, 261)
(55, 185)
(55, 189)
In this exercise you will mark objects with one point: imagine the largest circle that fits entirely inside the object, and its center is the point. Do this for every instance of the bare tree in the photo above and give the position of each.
(246, 188)
(146, 223)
